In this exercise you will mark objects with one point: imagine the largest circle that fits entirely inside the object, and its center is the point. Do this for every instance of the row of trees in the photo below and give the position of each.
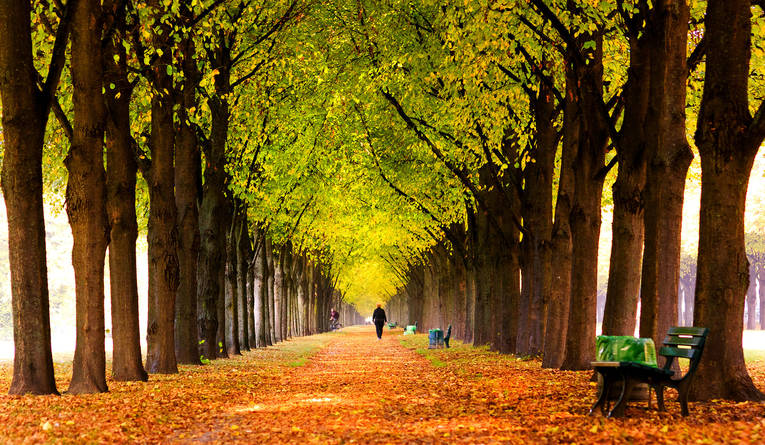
(132, 78)
(523, 280)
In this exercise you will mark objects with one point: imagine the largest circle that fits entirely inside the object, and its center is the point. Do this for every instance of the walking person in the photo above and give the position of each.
(379, 319)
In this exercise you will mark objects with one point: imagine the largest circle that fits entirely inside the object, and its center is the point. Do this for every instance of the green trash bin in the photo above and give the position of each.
(435, 338)
(410, 330)
(619, 348)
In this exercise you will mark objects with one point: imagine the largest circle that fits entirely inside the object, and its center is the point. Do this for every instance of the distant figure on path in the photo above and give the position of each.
(334, 318)
(379, 319)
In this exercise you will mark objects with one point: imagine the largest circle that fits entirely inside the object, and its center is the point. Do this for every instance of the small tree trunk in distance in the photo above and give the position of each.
(751, 300)
(728, 139)
(242, 254)
(127, 362)
(86, 199)
(231, 315)
(271, 297)
(260, 291)
(24, 121)
(761, 279)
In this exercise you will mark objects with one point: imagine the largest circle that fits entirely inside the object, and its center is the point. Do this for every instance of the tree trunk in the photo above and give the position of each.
(761, 280)
(260, 292)
(271, 285)
(668, 160)
(242, 254)
(86, 199)
(127, 362)
(231, 337)
(162, 237)
(560, 243)
(537, 216)
(728, 139)
(187, 178)
(585, 217)
(751, 301)
(25, 115)
(620, 313)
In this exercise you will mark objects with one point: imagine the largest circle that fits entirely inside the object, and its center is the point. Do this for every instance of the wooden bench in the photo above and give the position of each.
(681, 342)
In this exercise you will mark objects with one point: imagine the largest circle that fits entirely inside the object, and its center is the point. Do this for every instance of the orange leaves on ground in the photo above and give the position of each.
(356, 389)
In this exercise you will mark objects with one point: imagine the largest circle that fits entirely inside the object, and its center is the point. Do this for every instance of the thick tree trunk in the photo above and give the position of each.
(187, 177)
(86, 199)
(668, 159)
(537, 217)
(25, 115)
(585, 217)
(728, 139)
(560, 242)
(127, 362)
(162, 238)
(620, 313)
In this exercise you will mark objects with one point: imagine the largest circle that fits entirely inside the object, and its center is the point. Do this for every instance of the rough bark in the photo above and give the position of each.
(538, 219)
(187, 177)
(162, 227)
(668, 159)
(86, 199)
(231, 336)
(560, 287)
(242, 254)
(121, 169)
(585, 215)
(728, 139)
(25, 115)
(213, 211)
(270, 284)
(620, 313)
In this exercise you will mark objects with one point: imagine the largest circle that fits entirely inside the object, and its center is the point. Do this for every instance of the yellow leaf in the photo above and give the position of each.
(594, 429)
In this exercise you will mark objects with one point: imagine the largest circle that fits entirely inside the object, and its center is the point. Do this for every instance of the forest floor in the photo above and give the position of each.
(348, 387)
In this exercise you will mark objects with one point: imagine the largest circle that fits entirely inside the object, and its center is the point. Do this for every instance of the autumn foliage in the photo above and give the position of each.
(347, 387)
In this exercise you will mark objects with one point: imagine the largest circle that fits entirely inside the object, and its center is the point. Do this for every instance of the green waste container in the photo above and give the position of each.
(410, 330)
(435, 338)
(618, 348)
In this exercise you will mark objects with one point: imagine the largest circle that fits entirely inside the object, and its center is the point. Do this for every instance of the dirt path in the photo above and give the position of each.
(359, 389)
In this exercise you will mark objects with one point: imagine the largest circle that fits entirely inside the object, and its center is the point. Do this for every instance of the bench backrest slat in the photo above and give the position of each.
(667, 351)
(687, 330)
(673, 340)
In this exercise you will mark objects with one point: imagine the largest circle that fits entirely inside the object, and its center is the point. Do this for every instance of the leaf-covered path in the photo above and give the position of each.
(347, 387)
(359, 389)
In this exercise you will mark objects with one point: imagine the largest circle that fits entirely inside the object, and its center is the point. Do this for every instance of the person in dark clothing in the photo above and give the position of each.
(379, 319)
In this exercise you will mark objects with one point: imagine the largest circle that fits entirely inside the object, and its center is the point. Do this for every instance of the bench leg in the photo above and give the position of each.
(603, 395)
(682, 392)
(621, 404)
(660, 397)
